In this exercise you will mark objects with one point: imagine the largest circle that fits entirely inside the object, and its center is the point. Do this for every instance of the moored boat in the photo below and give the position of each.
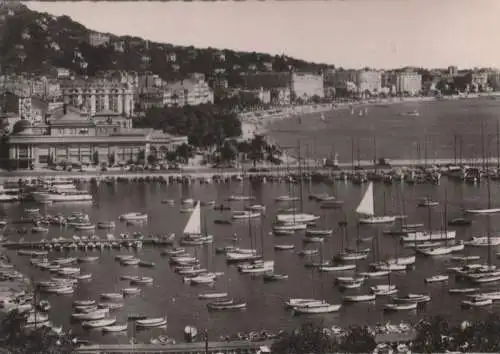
(437, 278)
(115, 328)
(401, 307)
(359, 298)
(105, 322)
(151, 322)
(212, 295)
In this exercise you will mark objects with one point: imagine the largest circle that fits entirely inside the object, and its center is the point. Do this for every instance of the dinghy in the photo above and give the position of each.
(437, 278)
(291, 303)
(384, 289)
(401, 307)
(284, 247)
(463, 290)
(359, 298)
(483, 211)
(226, 305)
(275, 277)
(115, 328)
(105, 322)
(409, 298)
(151, 322)
(477, 301)
(311, 309)
(212, 295)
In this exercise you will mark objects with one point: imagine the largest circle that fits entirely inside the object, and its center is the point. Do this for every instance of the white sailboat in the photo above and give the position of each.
(367, 207)
(192, 231)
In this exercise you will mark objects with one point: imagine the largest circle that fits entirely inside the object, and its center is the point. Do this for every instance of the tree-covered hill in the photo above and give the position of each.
(36, 42)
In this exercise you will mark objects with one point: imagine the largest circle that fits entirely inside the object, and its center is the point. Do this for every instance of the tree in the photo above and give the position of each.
(111, 159)
(432, 336)
(184, 152)
(95, 158)
(141, 156)
(205, 125)
(310, 338)
(152, 159)
(228, 151)
(358, 340)
(257, 146)
(15, 338)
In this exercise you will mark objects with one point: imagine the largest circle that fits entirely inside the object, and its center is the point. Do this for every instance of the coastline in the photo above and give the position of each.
(258, 122)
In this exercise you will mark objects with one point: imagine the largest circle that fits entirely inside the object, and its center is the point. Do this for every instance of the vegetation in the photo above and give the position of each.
(35, 42)
(204, 125)
(256, 150)
(14, 338)
(436, 335)
(312, 338)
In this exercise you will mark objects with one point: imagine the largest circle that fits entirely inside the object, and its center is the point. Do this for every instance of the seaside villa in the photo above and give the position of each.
(72, 136)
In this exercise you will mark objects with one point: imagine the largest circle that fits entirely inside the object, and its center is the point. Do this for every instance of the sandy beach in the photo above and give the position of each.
(256, 123)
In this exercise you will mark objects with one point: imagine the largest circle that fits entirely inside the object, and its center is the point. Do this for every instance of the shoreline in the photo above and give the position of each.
(258, 122)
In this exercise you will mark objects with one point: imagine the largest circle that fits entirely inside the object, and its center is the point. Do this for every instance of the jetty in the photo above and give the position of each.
(40, 245)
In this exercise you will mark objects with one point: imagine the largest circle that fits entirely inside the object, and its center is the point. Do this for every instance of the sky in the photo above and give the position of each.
(348, 33)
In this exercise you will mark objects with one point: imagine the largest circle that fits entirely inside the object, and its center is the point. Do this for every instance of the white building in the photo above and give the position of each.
(306, 85)
(187, 92)
(97, 39)
(99, 95)
(369, 81)
(408, 82)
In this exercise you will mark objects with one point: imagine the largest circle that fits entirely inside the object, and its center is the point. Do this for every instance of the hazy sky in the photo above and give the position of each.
(349, 33)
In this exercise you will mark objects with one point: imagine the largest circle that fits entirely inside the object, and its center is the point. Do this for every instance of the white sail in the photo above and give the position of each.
(193, 226)
(366, 206)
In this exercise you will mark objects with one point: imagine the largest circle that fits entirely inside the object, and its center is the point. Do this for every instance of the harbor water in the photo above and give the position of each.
(170, 296)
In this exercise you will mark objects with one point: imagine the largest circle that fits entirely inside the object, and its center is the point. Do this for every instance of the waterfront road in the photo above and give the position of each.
(179, 348)
(215, 347)
(208, 172)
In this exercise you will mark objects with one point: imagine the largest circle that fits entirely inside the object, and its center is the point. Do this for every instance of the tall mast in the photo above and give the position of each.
(455, 149)
(445, 216)
(425, 151)
(301, 177)
(358, 155)
(352, 153)
(498, 145)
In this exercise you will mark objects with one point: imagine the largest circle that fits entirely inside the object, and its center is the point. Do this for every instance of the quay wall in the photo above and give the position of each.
(179, 348)
(201, 172)
(214, 347)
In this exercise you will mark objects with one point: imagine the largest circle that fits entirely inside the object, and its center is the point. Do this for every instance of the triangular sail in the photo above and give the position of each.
(193, 226)
(366, 206)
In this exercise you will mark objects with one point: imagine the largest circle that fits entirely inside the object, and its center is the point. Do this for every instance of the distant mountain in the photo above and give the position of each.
(36, 42)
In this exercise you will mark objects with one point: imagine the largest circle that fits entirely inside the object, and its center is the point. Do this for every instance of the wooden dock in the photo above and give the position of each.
(239, 347)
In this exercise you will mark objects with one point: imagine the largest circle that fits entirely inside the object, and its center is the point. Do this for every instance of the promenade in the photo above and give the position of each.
(215, 347)
(243, 347)
(206, 172)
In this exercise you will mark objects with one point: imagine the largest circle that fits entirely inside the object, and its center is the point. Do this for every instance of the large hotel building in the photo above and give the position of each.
(99, 95)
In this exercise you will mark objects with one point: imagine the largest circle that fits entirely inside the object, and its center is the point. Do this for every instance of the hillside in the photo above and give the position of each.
(35, 42)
